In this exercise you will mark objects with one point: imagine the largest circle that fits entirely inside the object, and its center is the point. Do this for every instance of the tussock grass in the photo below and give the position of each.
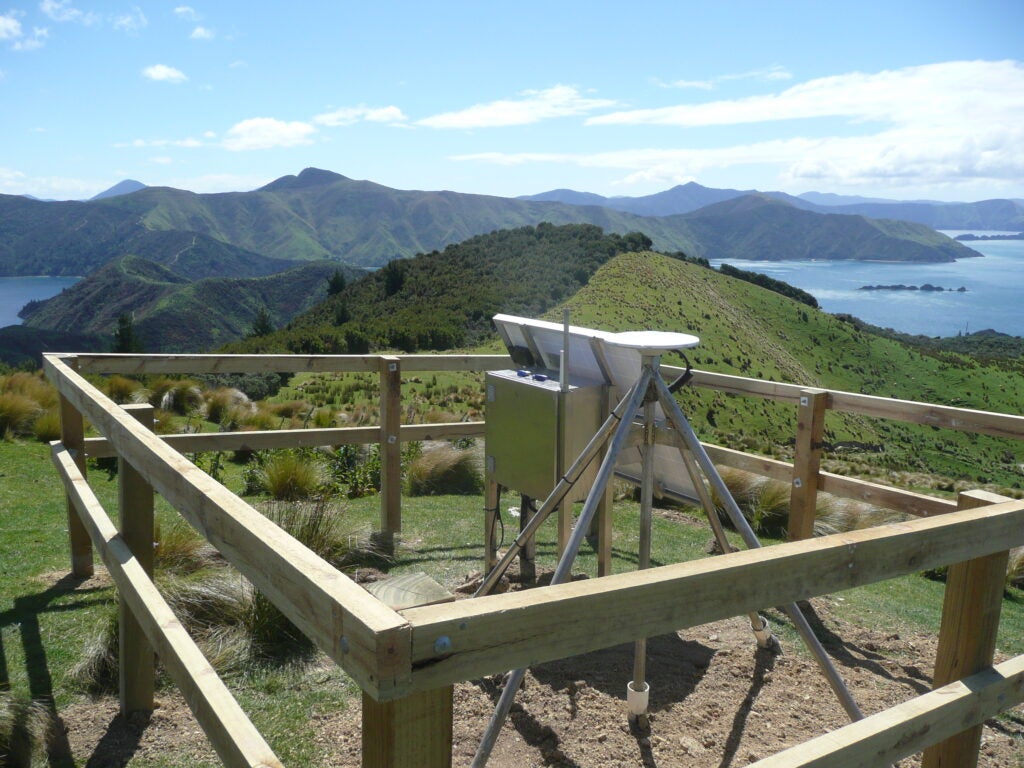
(121, 389)
(236, 627)
(444, 470)
(24, 730)
(179, 549)
(17, 414)
(290, 476)
(225, 405)
(47, 426)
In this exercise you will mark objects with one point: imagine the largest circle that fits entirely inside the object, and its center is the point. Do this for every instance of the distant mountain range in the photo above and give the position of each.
(986, 214)
(323, 215)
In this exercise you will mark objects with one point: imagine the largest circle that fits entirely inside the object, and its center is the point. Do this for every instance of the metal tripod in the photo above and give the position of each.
(647, 390)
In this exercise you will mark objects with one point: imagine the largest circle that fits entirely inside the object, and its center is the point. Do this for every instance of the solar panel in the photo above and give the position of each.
(615, 360)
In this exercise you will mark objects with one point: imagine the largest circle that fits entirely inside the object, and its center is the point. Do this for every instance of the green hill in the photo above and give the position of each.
(766, 229)
(174, 314)
(446, 298)
(749, 331)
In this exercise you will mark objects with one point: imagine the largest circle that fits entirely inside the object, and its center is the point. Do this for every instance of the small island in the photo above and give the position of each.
(901, 287)
(972, 237)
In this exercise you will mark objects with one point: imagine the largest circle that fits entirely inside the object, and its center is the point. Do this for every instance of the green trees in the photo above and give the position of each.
(125, 338)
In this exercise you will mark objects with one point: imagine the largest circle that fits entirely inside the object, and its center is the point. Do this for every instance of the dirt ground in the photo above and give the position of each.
(716, 701)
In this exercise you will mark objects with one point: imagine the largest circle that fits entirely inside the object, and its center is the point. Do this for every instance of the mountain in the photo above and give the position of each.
(680, 199)
(125, 187)
(986, 214)
(766, 229)
(173, 313)
(322, 215)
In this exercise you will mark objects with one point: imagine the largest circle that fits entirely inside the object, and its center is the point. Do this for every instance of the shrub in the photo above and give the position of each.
(444, 470)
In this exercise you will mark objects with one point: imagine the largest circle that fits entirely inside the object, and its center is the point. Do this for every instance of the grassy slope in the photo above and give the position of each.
(746, 330)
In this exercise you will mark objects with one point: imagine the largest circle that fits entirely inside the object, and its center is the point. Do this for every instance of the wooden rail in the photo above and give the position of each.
(406, 662)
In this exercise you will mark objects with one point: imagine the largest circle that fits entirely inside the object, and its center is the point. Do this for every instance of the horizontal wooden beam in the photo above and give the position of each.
(907, 728)
(944, 416)
(195, 364)
(930, 414)
(229, 729)
(885, 496)
(365, 637)
(199, 442)
(470, 638)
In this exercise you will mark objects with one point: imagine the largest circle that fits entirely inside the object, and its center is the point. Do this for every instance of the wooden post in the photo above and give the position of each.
(136, 662)
(967, 638)
(412, 732)
(803, 496)
(390, 449)
(72, 435)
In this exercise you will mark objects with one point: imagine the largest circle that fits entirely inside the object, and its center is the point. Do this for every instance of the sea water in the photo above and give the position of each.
(994, 297)
(16, 292)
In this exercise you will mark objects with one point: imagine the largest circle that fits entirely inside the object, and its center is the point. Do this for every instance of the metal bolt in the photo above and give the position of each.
(797, 482)
(443, 644)
(344, 645)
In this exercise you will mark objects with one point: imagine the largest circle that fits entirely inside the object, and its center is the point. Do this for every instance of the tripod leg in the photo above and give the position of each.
(631, 402)
(683, 428)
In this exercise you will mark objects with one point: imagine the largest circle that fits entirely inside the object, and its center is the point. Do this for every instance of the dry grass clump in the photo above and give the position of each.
(444, 470)
(1015, 568)
(179, 549)
(24, 730)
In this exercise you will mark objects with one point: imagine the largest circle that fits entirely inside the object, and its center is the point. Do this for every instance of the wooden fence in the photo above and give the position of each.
(407, 662)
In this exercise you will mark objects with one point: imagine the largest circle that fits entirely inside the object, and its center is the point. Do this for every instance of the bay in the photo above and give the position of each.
(993, 299)
(16, 292)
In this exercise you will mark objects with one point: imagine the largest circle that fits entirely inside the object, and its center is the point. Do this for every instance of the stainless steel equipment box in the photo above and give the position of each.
(535, 431)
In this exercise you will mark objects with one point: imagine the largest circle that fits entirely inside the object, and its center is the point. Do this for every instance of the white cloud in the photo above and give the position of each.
(362, 113)
(10, 27)
(775, 72)
(165, 74)
(914, 95)
(161, 160)
(36, 40)
(131, 22)
(267, 133)
(14, 182)
(63, 11)
(202, 33)
(956, 123)
(186, 12)
(188, 143)
(534, 106)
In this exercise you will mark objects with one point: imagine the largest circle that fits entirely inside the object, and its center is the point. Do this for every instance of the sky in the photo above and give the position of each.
(906, 100)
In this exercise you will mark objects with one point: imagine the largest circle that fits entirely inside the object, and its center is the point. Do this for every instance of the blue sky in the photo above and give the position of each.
(895, 99)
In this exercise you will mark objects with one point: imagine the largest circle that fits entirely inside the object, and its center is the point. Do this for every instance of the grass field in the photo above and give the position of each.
(46, 624)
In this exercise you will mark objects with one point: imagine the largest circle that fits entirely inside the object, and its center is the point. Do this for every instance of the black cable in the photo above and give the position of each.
(684, 378)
